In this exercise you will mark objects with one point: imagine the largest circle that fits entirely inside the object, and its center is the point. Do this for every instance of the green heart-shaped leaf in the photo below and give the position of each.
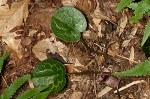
(49, 73)
(67, 23)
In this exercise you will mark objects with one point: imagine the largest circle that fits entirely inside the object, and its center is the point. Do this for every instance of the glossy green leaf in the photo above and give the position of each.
(41, 95)
(123, 4)
(146, 33)
(141, 69)
(2, 58)
(67, 23)
(49, 73)
(10, 91)
(30, 93)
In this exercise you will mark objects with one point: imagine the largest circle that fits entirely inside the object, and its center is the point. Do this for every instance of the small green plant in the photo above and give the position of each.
(67, 23)
(49, 76)
(50, 73)
(11, 90)
(141, 8)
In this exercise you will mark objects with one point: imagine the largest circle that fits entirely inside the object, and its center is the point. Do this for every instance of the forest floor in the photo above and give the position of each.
(109, 44)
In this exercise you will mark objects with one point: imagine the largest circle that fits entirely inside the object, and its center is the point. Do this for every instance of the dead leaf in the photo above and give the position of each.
(52, 45)
(42, 18)
(12, 43)
(9, 19)
(14, 16)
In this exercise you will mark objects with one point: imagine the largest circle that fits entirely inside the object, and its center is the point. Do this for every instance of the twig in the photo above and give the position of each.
(85, 73)
(126, 58)
(129, 85)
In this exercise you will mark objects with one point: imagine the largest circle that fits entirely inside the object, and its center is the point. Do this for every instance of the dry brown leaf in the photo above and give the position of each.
(12, 43)
(9, 19)
(14, 16)
(42, 17)
(49, 44)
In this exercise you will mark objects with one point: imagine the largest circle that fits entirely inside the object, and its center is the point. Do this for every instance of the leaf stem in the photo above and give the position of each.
(86, 73)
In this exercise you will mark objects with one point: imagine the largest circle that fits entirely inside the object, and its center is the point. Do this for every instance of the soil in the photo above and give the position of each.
(109, 44)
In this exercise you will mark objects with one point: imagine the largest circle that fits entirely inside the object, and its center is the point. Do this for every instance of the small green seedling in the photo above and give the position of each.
(67, 23)
(50, 73)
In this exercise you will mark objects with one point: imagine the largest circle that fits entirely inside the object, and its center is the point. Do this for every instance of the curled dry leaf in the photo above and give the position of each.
(9, 19)
(40, 49)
